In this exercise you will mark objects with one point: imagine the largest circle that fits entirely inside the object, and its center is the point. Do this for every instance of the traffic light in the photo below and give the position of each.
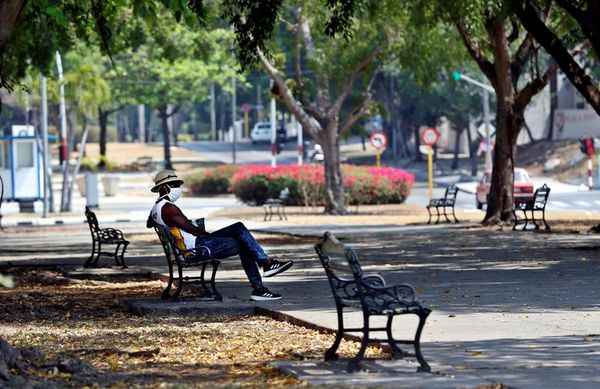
(587, 146)
(456, 76)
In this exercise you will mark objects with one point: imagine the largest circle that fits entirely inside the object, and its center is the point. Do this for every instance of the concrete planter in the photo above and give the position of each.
(81, 185)
(110, 184)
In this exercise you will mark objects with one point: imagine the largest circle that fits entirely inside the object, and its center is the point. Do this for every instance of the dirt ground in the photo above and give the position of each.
(89, 339)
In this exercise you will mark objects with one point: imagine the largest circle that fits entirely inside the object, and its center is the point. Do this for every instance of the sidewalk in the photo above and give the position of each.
(509, 307)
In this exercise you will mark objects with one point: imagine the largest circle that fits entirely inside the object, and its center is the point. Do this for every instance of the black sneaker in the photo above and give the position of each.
(264, 294)
(276, 267)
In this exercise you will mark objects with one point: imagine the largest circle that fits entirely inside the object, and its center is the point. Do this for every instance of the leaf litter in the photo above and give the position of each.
(60, 332)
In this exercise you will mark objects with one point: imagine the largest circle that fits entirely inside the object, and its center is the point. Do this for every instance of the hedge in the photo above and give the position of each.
(253, 184)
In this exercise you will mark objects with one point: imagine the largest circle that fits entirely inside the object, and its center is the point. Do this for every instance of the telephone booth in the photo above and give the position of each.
(21, 166)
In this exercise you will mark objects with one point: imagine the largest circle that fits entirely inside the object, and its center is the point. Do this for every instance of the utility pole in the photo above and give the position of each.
(486, 120)
(63, 111)
(142, 123)
(233, 119)
(273, 131)
(213, 114)
(45, 163)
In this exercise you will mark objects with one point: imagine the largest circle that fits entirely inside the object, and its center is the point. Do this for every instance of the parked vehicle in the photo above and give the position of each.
(261, 133)
(523, 187)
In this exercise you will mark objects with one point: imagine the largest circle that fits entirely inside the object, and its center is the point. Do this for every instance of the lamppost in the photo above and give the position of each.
(486, 112)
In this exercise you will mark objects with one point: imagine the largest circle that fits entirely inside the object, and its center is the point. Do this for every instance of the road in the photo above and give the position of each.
(246, 152)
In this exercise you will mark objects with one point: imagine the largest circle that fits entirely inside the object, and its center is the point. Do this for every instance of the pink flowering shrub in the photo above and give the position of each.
(212, 181)
(362, 184)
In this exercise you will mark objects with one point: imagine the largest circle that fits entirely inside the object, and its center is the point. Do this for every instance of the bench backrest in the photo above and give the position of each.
(540, 197)
(165, 237)
(450, 194)
(341, 267)
(92, 221)
(284, 194)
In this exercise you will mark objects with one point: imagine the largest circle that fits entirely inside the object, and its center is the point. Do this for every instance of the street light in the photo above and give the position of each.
(486, 111)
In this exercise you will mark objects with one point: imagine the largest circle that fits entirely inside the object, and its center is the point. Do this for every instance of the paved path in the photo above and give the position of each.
(510, 307)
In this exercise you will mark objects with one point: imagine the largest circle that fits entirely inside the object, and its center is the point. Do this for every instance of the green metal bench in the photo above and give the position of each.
(104, 236)
(183, 260)
(355, 290)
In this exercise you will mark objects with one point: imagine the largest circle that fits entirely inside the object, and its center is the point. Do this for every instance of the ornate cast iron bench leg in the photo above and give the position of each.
(331, 353)
(446, 214)
(216, 295)
(429, 212)
(424, 366)
(396, 351)
(454, 214)
(354, 364)
(167, 292)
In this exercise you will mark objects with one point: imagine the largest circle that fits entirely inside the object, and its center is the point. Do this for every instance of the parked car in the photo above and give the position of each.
(523, 187)
(261, 133)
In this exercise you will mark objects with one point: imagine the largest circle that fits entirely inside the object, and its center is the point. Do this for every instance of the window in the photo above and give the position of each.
(24, 154)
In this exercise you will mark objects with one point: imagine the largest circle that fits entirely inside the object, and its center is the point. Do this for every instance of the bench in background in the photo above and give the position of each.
(104, 236)
(369, 293)
(278, 205)
(445, 202)
(535, 206)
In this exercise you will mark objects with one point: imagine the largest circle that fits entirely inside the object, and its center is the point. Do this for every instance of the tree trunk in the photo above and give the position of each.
(501, 200)
(9, 13)
(163, 115)
(472, 153)
(418, 157)
(334, 188)
(103, 122)
(454, 165)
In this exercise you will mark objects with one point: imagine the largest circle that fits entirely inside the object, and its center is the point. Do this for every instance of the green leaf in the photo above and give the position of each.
(57, 14)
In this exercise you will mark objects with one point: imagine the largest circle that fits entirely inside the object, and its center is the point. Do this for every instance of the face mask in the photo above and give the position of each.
(174, 194)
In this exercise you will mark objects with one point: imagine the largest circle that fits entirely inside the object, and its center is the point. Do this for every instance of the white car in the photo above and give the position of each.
(261, 132)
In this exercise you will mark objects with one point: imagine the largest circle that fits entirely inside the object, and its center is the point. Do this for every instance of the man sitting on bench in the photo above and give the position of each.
(232, 240)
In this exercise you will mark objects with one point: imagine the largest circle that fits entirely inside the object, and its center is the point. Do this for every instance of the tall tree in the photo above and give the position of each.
(559, 38)
(504, 54)
(326, 71)
(172, 65)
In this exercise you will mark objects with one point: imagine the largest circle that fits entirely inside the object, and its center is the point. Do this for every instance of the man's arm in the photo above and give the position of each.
(172, 215)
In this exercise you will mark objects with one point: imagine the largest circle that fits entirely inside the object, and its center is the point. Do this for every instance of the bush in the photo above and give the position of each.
(184, 137)
(212, 181)
(253, 184)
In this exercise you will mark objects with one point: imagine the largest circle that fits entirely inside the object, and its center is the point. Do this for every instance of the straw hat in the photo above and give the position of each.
(165, 177)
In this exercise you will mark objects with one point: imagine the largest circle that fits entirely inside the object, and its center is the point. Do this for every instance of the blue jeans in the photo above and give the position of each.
(233, 240)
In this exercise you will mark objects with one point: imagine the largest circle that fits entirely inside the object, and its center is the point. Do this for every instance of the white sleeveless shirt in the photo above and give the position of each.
(189, 240)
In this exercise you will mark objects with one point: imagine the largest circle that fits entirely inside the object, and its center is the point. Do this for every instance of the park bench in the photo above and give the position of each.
(277, 205)
(104, 236)
(535, 206)
(197, 257)
(445, 202)
(353, 289)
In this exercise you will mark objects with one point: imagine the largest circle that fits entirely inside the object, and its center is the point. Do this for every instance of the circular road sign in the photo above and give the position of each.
(429, 136)
(378, 140)
(246, 107)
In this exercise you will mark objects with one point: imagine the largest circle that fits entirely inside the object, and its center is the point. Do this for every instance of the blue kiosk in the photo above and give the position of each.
(21, 167)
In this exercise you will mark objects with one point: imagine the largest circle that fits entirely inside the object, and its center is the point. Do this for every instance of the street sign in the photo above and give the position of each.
(245, 107)
(481, 130)
(483, 146)
(378, 140)
(429, 136)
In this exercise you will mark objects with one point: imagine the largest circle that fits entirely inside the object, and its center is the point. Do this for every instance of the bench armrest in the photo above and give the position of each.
(374, 280)
(401, 293)
(273, 202)
(110, 233)
(198, 251)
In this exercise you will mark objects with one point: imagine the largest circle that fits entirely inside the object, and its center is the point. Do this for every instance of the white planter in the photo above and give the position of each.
(81, 185)
(110, 184)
